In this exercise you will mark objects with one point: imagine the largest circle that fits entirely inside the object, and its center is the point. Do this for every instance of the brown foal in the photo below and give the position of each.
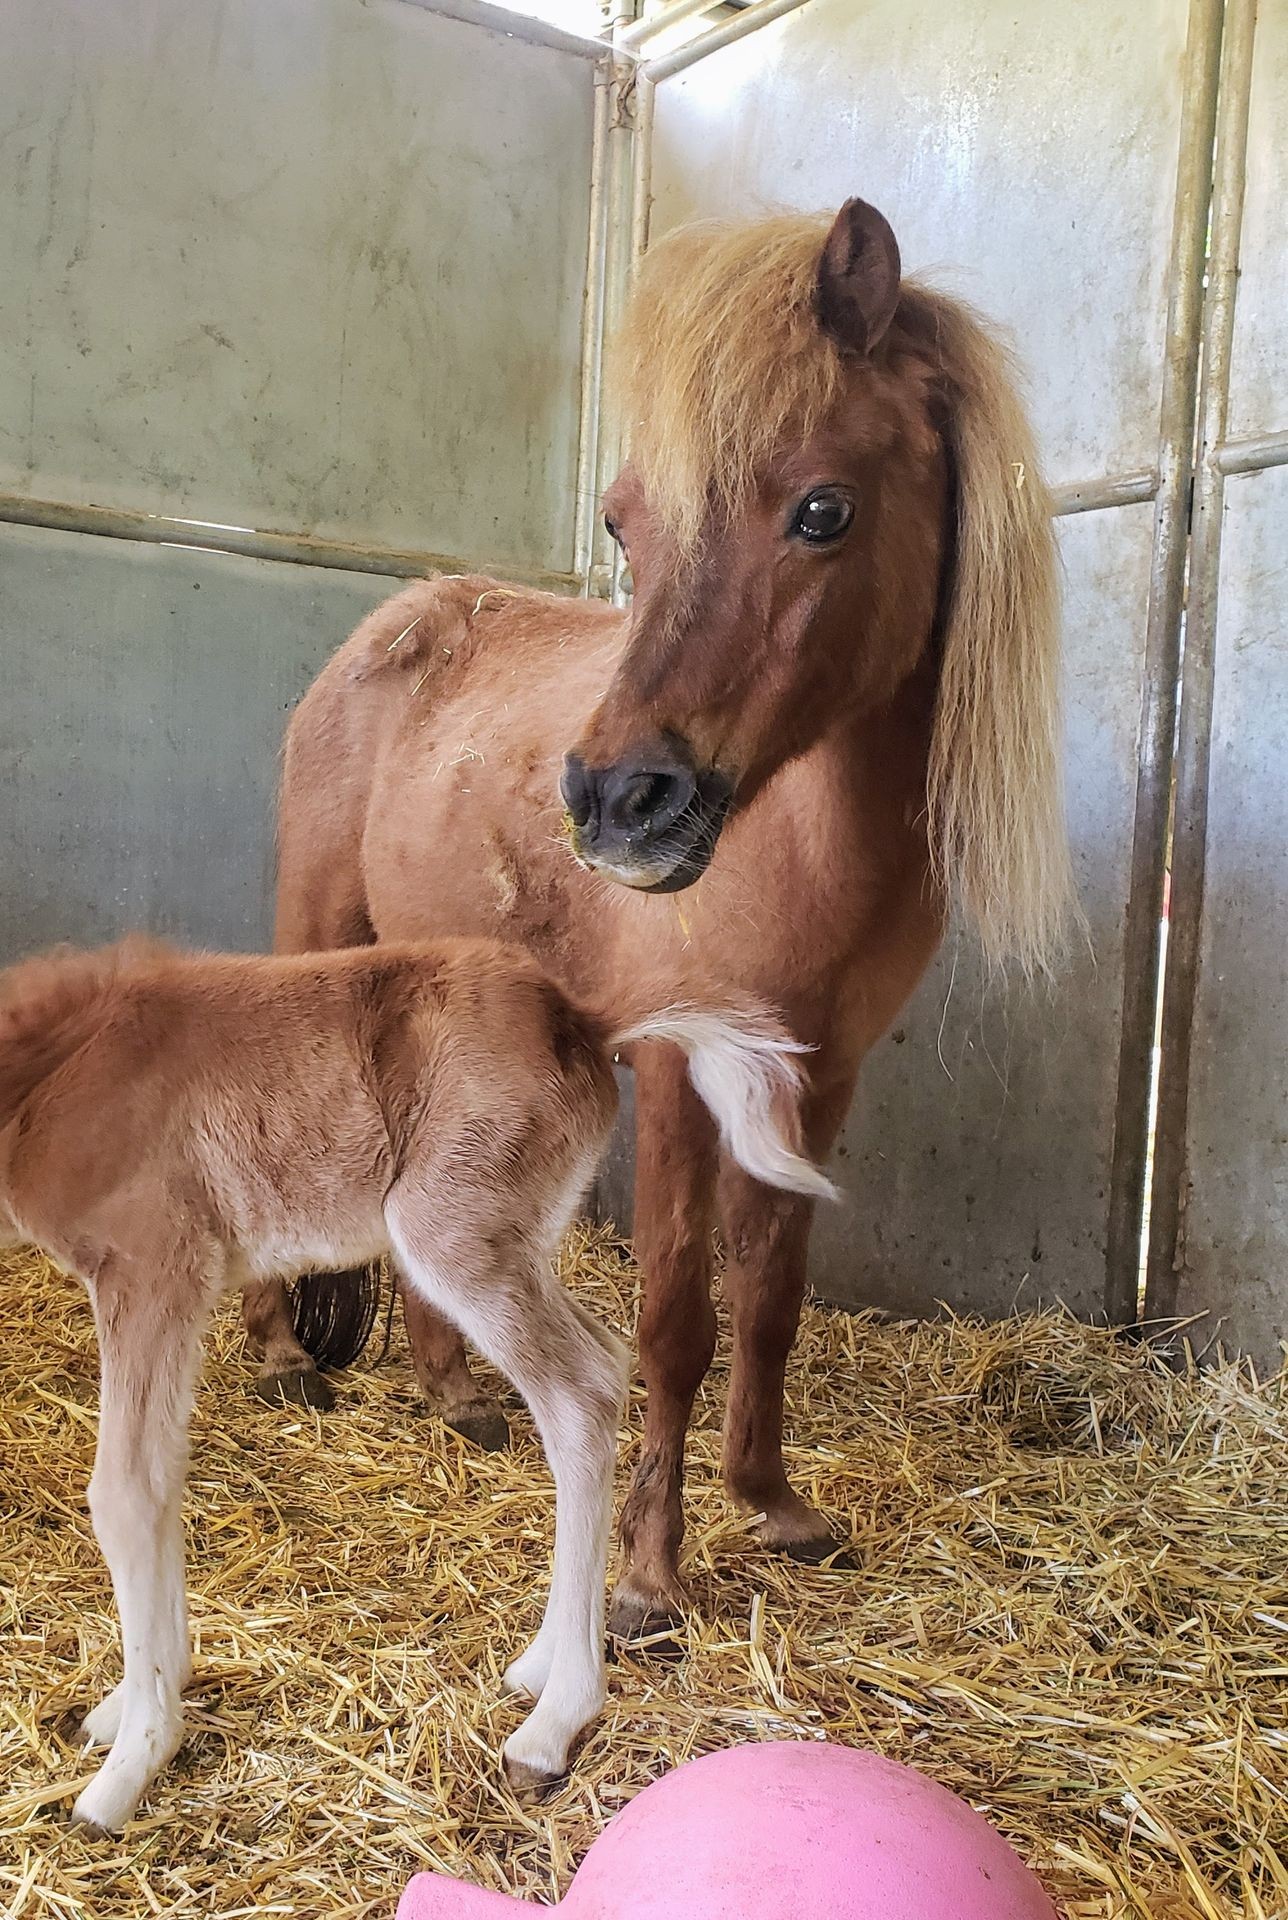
(171, 1125)
(831, 710)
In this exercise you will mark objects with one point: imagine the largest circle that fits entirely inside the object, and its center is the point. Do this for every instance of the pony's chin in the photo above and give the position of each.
(685, 875)
(688, 869)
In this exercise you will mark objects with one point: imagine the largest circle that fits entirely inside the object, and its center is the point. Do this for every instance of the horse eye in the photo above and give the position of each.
(823, 515)
(612, 529)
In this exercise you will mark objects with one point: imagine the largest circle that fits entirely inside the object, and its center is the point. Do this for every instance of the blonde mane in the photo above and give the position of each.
(721, 363)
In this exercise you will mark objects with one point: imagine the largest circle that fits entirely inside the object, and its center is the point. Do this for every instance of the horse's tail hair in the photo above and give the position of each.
(746, 1070)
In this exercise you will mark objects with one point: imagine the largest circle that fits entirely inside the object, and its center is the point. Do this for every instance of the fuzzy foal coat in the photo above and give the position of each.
(171, 1125)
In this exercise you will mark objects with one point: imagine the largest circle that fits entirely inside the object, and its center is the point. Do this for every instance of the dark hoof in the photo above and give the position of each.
(483, 1423)
(300, 1387)
(530, 1787)
(89, 1829)
(643, 1630)
(661, 1647)
(821, 1553)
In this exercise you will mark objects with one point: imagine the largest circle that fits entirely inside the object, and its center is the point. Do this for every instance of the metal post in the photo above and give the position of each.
(642, 185)
(1193, 752)
(1161, 662)
(619, 254)
(592, 334)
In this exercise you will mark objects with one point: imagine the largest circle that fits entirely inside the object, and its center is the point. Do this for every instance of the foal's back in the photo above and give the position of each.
(271, 1103)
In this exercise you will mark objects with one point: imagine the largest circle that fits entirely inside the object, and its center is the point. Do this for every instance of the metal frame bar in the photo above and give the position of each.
(1193, 751)
(633, 37)
(516, 26)
(620, 253)
(298, 549)
(755, 17)
(1109, 490)
(592, 336)
(1161, 664)
(1252, 456)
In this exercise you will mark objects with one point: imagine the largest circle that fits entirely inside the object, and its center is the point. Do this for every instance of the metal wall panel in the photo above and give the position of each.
(1025, 157)
(1032, 170)
(976, 1159)
(143, 695)
(1235, 1227)
(1226, 1256)
(309, 266)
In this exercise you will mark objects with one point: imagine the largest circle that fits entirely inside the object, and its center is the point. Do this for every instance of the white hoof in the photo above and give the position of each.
(106, 1804)
(136, 1759)
(530, 1672)
(537, 1753)
(103, 1722)
(532, 1767)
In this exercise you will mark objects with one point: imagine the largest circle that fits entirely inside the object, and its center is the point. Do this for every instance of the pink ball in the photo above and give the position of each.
(789, 1830)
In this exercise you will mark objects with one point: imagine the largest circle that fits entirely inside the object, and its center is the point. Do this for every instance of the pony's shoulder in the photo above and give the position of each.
(427, 626)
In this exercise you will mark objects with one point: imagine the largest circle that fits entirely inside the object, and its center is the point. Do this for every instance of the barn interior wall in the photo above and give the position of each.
(309, 269)
(314, 275)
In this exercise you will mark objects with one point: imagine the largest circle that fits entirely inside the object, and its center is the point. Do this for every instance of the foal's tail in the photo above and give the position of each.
(744, 1065)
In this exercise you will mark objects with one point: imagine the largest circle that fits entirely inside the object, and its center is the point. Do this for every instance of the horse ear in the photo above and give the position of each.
(857, 288)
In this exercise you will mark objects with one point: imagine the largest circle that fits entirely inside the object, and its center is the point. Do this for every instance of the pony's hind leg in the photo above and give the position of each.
(286, 1371)
(149, 1321)
(675, 1172)
(573, 1376)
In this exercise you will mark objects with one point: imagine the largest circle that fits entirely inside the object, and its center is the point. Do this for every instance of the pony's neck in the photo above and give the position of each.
(891, 743)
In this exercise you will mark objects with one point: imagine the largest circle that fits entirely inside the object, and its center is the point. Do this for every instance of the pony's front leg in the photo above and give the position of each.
(149, 1327)
(675, 1168)
(766, 1238)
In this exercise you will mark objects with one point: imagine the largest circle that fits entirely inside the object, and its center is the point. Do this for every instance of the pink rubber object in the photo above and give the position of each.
(788, 1830)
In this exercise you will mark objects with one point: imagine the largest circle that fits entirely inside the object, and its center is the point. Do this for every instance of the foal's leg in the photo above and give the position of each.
(286, 1371)
(573, 1376)
(766, 1236)
(149, 1330)
(675, 1169)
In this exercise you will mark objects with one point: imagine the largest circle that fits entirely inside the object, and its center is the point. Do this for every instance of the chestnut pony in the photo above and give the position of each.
(830, 712)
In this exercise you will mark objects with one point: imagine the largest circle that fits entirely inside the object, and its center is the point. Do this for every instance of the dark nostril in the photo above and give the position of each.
(648, 800)
(647, 794)
(575, 787)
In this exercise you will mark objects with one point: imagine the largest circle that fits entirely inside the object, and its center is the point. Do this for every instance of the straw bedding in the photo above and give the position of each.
(1070, 1604)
